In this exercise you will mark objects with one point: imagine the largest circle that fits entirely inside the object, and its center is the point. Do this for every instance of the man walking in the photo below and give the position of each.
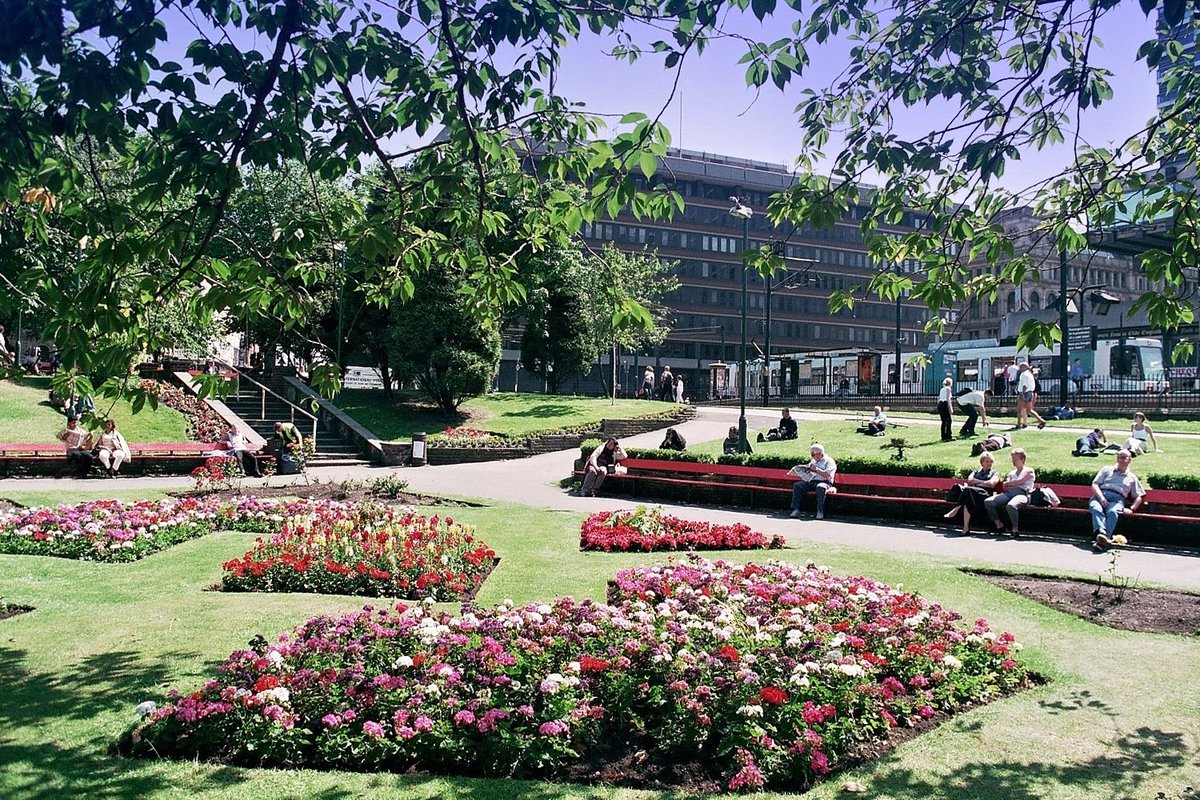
(1076, 376)
(974, 405)
(1112, 488)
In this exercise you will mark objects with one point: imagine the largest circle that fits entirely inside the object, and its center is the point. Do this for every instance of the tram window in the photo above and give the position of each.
(968, 371)
(1125, 362)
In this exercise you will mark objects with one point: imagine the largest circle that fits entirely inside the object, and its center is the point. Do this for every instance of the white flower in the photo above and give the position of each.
(145, 708)
(853, 670)
(951, 662)
(275, 657)
(751, 711)
(279, 695)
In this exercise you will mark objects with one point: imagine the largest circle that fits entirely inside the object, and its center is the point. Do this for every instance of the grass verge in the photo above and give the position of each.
(27, 416)
(106, 637)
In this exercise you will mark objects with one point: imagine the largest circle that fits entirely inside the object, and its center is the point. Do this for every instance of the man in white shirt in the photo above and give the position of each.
(1027, 398)
(816, 476)
(79, 446)
(1011, 373)
(974, 405)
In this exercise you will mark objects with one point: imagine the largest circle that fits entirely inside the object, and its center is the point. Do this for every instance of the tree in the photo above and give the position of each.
(435, 340)
(87, 94)
(623, 300)
(557, 343)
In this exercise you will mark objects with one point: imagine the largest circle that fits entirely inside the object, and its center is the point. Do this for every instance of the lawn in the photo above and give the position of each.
(1113, 424)
(27, 416)
(505, 413)
(1046, 448)
(106, 637)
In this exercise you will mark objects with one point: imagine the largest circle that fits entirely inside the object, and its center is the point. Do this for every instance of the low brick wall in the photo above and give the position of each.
(474, 455)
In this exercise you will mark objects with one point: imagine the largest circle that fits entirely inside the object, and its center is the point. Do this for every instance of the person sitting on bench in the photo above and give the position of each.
(816, 476)
(79, 446)
(1112, 488)
(603, 461)
(876, 425)
(786, 429)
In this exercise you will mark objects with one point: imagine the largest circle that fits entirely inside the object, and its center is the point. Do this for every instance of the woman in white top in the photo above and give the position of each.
(1016, 489)
(112, 449)
(944, 398)
(1140, 436)
(678, 388)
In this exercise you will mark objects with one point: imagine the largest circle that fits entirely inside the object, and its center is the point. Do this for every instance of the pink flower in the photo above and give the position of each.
(463, 718)
(371, 728)
(422, 724)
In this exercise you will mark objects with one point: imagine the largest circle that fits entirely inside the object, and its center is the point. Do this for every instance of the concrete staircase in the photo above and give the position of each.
(248, 404)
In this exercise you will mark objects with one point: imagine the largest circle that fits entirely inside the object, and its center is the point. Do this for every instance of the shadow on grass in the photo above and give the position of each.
(543, 410)
(47, 767)
(1118, 774)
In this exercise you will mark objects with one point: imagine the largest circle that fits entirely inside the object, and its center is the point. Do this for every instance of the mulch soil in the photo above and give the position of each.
(1130, 608)
(7, 611)
(342, 492)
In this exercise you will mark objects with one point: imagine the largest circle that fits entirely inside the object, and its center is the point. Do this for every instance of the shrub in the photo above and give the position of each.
(758, 675)
(647, 529)
(204, 424)
(217, 474)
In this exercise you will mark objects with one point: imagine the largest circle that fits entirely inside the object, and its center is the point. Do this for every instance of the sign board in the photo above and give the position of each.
(1081, 338)
(1183, 372)
(362, 378)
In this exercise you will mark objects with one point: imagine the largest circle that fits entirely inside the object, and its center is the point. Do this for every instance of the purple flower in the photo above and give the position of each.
(372, 728)
(423, 724)
(553, 728)
(464, 717)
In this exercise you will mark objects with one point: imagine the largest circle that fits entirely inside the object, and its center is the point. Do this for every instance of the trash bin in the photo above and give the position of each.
(418, 459)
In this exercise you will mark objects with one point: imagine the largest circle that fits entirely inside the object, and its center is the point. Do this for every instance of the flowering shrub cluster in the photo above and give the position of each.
(646, 529)
(218, 473)
(469, 437)
(763, 676)
(204, 424)
(364, 549)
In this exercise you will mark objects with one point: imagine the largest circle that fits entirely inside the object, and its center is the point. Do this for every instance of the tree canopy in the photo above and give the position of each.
(130, 125)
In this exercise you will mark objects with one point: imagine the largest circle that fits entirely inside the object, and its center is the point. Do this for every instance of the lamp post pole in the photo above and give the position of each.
(1064, 350)
(743, 212)
(898, 356)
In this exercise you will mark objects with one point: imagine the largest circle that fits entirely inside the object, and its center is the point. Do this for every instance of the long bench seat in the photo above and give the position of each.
(1168, 516)
(149, 458)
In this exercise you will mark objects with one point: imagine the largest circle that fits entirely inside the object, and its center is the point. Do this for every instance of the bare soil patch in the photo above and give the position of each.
(347, 491)
(7, 611)
(1129, 608)
(9, 505)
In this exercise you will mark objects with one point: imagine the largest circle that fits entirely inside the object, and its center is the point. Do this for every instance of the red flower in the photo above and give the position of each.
(730, 653)
(592, 664)
(266, 682)
(773, 695)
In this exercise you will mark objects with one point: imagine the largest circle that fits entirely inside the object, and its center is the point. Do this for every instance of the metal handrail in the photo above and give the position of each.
(264, 391)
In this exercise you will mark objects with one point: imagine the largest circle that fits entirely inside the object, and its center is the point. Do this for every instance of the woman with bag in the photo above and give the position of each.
(969, 496)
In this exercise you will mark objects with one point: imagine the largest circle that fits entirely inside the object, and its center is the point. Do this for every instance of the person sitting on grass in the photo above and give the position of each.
(603, 461)
(673, 440)
(876, 425)
(1112, 488)
(969, 496)
(731, 445)
(1014, 494)
(786, 429)
(79, 446)
(1092, 444)
(1141, 436)
(816, 476)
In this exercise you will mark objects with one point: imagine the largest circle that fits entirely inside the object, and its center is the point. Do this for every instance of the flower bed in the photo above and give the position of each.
(204, 424)
(104, 530)
(314, 545)
(367, 550)
(471, 437)
(647, 529)
(753, 676)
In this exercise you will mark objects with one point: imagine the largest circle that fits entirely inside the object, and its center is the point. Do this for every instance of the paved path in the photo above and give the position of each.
(534, 481)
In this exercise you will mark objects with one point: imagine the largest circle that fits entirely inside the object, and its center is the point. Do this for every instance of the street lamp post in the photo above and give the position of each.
(1064, 349)
(743, 212)
(898, 334)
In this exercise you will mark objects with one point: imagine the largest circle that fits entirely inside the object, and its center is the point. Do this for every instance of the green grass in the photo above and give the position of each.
(505, 413)
(1113, 424)
(27, 416)
(1045, 448)
(1119, 718)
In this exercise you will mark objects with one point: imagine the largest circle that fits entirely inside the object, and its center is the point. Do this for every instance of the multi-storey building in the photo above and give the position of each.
(1037, 296)
(1184, 34)
(706, 241)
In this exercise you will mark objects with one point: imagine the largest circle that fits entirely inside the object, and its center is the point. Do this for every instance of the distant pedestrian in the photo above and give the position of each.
(679, 389)
(943, 408)
(666, 385)
(648, 383)
(1011, 373)
(1076, 376)
(1113, 488)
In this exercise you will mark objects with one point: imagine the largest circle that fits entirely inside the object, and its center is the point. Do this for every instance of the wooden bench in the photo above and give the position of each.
(149, 458)
(1168, 515)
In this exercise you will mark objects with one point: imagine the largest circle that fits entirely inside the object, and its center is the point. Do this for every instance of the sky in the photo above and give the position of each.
(714, 111)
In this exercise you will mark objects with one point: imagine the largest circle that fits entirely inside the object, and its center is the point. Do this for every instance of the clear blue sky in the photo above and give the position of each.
(715, 111)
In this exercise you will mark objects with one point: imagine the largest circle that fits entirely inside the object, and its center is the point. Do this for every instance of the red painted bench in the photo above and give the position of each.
(1168, 515)
(148, 457)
